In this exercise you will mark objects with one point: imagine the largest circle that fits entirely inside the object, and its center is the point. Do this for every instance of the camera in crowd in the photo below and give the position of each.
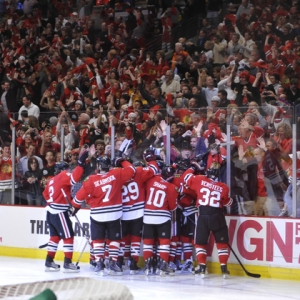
(32, 132)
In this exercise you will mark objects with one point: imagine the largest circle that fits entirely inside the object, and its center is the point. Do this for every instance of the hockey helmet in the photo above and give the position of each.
(103, 163)
(213, 172)
(182, 164)
(139, 164)
(167, 173)
(60, 166)
(149, 154)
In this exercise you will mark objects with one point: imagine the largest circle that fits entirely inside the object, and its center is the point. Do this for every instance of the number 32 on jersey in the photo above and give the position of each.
(209, 198)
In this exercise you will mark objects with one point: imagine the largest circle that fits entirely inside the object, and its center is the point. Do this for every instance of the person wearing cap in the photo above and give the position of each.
(214, 112)
(180, 128)
(186, 149)
(245, 91)
(132, 117)
(79, 104)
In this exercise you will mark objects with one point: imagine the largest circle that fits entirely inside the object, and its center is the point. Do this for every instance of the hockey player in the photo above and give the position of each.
(133, 198)
(189, 213)
(60, 225)
(161, 199)
(211, 197)
(103, 193)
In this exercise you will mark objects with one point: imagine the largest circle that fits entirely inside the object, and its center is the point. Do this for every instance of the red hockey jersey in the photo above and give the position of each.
(103, 193)
(161, 199)
(209, 192)
(53, 194)
(133, 192)
(187, 198)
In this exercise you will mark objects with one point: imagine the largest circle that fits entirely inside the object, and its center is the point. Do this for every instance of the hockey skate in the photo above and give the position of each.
(225, 272)
(106, 264)
(92, 264)
(187, 266)
(69, 267)
(51, 266)
(173, 266)
(165, 269)
(200, 271)
(147, 269)
(99, 269)
(195, 270)
(126, 263)
(134, 269)
(156, 264)
(120, 262)
(114, 269)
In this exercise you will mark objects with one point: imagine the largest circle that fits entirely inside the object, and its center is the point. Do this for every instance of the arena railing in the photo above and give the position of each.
(240, 169)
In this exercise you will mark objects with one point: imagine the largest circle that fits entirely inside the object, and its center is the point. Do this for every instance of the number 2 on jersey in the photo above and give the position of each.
(50, 191)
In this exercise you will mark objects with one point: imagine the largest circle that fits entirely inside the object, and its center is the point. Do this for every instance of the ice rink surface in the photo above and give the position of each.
(181, 286)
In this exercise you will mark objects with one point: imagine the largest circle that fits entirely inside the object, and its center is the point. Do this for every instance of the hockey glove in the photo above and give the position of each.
(82, 158)
(118, 160)
(195, 166)
(73, 211)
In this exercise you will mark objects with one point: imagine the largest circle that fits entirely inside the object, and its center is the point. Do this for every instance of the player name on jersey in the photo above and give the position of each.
(104, 181)
(161, 186)
(211, 186)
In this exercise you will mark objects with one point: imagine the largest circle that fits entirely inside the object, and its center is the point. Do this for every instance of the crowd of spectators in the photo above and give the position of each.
(60, 72)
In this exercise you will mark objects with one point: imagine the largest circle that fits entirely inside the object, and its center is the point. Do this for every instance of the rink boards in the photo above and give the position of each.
(269, 246)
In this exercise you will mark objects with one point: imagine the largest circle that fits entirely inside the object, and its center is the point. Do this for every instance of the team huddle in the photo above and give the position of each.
(173, 208)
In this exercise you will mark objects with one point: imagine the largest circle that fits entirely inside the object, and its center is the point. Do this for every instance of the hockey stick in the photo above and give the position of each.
(87, 241)
(43, 246)
(247, 272)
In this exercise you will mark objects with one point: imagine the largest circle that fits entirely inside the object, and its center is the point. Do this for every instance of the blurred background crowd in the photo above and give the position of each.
(212, 79)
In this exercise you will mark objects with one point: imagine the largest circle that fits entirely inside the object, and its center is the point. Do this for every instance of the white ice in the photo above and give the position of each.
(181, 286)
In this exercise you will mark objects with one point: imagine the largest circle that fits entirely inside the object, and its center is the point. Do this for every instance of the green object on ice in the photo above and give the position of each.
(45, 295)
